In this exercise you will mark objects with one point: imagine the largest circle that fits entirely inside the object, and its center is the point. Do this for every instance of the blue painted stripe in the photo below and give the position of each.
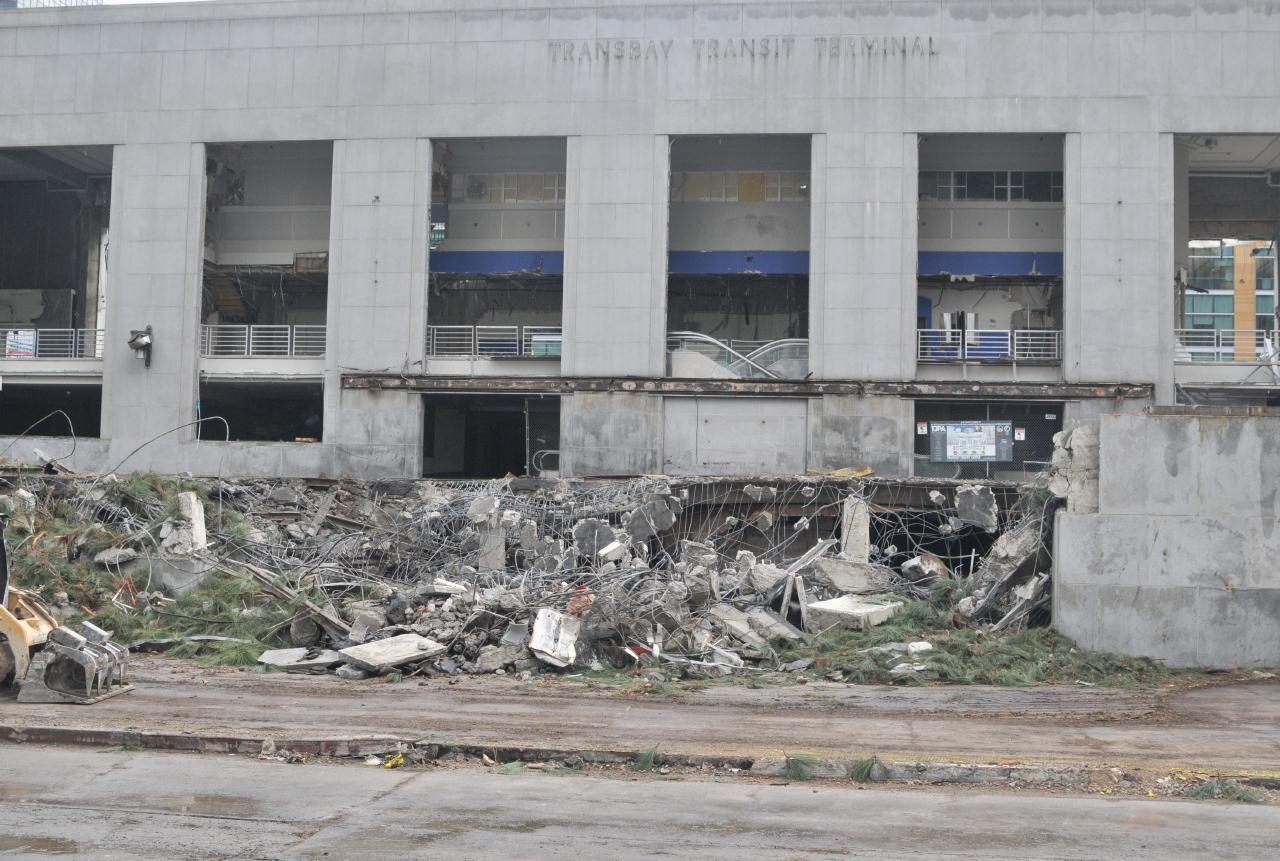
(990, 263)
(737, 262)
(495, 262)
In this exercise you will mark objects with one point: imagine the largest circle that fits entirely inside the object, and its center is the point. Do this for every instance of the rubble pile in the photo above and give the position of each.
(523, 576)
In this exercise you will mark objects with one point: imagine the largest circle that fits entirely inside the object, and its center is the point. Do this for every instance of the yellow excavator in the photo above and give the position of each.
(52, 663)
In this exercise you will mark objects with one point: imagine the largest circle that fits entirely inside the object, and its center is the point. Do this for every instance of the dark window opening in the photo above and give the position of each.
(266, 269)
(262, 412)
(490, 436)
(55, 207)
(22, 406)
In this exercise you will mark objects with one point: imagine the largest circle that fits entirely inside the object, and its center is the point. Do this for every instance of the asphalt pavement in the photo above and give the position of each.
(76, 802)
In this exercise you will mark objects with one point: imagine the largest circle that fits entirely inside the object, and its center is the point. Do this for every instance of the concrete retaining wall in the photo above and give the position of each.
(1180, 562)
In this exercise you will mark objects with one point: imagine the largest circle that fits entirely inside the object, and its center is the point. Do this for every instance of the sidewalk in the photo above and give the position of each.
(1232, 728)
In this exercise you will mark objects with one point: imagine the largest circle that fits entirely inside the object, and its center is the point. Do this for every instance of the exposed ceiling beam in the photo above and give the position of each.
(53, 169)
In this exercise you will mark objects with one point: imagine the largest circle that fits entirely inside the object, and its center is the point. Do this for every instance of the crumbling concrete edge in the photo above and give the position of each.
(1044, 775)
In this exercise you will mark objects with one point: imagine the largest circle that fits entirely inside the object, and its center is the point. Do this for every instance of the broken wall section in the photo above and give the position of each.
(1179, 562)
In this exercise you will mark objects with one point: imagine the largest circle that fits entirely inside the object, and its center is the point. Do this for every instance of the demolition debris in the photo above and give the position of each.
(706, 577)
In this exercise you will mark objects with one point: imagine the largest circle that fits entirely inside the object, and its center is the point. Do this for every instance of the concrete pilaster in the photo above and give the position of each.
(615, 252)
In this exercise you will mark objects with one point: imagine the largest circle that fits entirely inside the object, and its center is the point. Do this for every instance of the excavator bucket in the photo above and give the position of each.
(52, 663)
(76, 666)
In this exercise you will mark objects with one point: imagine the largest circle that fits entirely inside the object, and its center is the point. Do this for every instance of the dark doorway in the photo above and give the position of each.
(490, 436)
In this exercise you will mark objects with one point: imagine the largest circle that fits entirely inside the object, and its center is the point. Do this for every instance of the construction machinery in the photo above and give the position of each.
(50, 662)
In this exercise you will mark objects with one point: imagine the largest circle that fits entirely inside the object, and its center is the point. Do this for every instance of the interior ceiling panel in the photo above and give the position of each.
(89, 160)
(1234, 153)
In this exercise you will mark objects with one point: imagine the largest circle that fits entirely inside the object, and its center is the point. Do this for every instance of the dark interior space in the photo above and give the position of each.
(54, 213)
(264, 295)
(494, 300)
(21, 406)
(489, 436)
(739, 307)
(262, 412)
(1020, 434)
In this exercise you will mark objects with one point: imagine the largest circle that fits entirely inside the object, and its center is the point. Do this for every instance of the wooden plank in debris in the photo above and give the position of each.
(326, 505)
(382, 655)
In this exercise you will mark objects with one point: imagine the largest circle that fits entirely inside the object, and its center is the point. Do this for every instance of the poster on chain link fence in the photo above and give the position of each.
(970, 442)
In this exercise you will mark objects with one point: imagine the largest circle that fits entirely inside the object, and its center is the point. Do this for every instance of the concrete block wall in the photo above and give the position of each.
(1179, 563)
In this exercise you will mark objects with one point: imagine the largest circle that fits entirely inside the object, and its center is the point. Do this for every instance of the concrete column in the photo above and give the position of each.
(615, 253)
(817, 254)
(1072, 251)
(155, 263)
(1121, 328)
(379, 227)
(861, 316)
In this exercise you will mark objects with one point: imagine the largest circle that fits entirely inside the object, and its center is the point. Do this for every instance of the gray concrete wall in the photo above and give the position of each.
(382, 77)
(852, 430)
(1179, 563)
(611, 433)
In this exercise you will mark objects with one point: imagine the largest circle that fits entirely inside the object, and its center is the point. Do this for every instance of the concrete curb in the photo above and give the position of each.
(887, 771)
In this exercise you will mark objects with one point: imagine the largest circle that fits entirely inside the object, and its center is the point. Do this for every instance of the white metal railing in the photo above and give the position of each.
(19, 343)
(224, 341)
(494, 341)
(1227, 346)
(989, 345)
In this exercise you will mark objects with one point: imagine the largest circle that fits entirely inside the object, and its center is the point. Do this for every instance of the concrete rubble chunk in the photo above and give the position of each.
(493, 658)
(855, 529)
(301, 660)
(382, 655)
(847, 576)
(651, 518)
(925, 568)
(114, 557)
(976, 505)
(554, 637)
(850, 612)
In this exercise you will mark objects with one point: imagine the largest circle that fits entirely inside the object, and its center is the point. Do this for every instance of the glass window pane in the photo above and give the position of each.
(1036, 186)
(927, 185)
(1266, 304)
(1224, 304)
(529, 188)
(959, 180)
(731, 186)
(695, 187)
(1222, 321)
(981, 185)
(802, 185)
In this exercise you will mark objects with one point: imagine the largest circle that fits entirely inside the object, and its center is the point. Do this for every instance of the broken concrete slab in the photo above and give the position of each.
(855, 529)
(554, 638)
(382, 655)
(493, 658)
(175, 576)
(848, 576)
(301, 660)
(113, 557)
(976, 505)
(771, 626)
(849, 612)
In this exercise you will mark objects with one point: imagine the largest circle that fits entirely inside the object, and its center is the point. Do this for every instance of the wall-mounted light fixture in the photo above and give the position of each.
(140, 343)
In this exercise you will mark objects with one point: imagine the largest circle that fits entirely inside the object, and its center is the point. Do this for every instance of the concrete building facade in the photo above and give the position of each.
(406, 237)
